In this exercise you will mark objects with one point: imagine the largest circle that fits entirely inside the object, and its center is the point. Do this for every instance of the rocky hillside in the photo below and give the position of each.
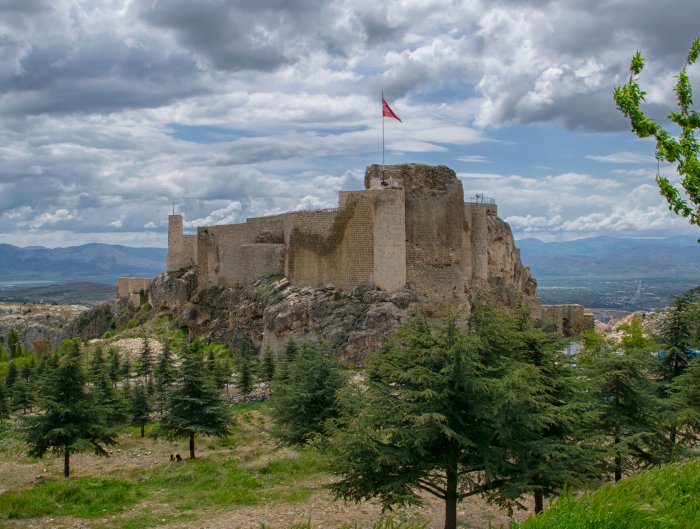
(267, 312)
(36, 323)
(42, 327)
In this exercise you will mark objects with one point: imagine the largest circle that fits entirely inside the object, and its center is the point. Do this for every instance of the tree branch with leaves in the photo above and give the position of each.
(683, 149)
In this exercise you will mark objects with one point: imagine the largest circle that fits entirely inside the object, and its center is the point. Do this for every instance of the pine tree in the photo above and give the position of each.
(69, 421)
(685, 403)
(12, 376)
(140, 407)
(268, 365)
(218, 368)
(556, 448)
(22, 393)
(678, 332)
(164, 377)
(4, 405)
(195, 406)
(418, 423)
(114, 365)
(245, 376)
(308, 398)
(144, 367)
(291, 350)
(109, 400)
(626, 401)
(97, 364)
(14, 345)
(126, 368)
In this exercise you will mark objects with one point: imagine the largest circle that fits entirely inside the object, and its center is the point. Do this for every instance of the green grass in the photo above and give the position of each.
(193, 485)
(662, 498)
(219, 482)
(82, 498)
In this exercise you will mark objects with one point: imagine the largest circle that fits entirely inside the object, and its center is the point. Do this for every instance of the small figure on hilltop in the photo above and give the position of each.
(178, 458)
(172, 457)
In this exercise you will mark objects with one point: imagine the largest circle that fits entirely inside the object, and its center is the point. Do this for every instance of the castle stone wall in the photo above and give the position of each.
(333, 247)
(260, 260)
(219, 255)
(389, 234)
(568, 320)
(410, 226)
(434, 220)
(131, 287)
(123, 287)
(182, 249)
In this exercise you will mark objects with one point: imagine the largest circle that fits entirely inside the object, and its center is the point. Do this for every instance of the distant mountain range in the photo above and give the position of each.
(601, 272)
(612, 257)
(100, 263)
(612, 274)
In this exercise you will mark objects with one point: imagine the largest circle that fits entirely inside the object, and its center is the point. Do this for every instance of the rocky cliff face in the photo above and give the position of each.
(269, 312)
(505, 270)
(37, 323)
(42, 327)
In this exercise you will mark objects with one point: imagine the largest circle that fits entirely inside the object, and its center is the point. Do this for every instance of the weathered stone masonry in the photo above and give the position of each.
(409, 227)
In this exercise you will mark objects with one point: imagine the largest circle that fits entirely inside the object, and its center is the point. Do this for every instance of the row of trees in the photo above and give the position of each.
(80, 404)
(491, 406)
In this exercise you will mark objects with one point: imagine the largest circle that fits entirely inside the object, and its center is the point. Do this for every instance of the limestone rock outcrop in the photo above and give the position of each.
(36, 323)
(270, 311)
(505, 270)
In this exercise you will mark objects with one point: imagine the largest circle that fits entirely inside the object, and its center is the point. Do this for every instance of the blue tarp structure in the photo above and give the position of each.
(689, 353)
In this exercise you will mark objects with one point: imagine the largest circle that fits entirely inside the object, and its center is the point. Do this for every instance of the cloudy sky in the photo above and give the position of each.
(111, 110)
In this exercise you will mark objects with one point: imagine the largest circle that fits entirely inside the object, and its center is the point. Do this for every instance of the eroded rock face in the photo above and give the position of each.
(35, 323)
(40, 325)
(167, 291)
(270, 312)
(96, 321)
(505, 270)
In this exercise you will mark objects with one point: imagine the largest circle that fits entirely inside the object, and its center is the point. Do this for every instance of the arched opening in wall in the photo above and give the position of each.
(566, 327)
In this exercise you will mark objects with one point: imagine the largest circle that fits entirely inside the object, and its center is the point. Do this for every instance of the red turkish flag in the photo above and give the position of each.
(387, 112)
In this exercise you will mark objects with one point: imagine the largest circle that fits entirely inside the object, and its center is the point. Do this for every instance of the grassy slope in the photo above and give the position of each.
(225, 478)
(662, 498)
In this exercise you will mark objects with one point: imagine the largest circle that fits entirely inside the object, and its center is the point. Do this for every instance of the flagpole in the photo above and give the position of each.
(382, 136)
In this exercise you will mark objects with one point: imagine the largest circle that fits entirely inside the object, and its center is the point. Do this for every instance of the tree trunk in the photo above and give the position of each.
(192, 446)
(143, 427)
(66, 461)
(451, 499)
(618, 463)
(539, 501)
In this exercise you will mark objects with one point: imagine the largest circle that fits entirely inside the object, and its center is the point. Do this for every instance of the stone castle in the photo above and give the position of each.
(409, 228)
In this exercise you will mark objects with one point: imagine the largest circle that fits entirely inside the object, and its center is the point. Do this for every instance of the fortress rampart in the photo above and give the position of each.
(410, 227)
(131, 288)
